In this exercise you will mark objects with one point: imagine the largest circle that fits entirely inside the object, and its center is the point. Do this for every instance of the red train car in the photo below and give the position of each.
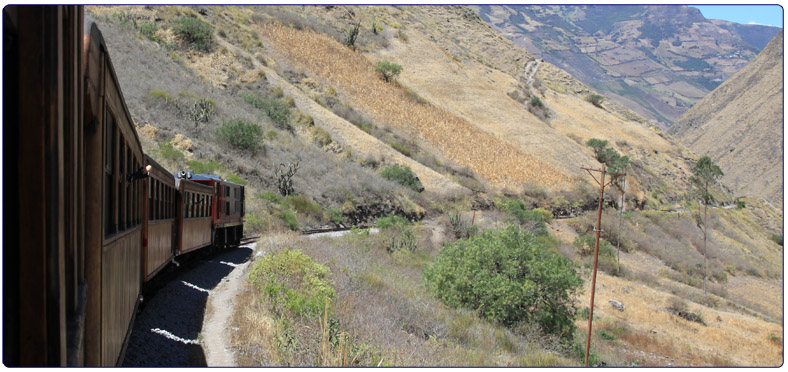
(227, 210)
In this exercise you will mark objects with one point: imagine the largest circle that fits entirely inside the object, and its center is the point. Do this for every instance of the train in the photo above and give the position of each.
(89, 218)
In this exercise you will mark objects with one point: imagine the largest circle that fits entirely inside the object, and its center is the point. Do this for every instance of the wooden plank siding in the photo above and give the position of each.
(196, 234)
(160, 241)
(121, 286)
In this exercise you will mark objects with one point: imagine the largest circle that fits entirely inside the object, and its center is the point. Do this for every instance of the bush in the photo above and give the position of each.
(404, 176)
(148, 29)
(241, 135)
(305, 205)
(204, 167)
(778, 238)
(390, 221)
(536, 102)
(293, 282)
(533, 220)
(193, 31)
(289, 218)
(507, 277)
(276, 109)
(595, 99)
(388, 70)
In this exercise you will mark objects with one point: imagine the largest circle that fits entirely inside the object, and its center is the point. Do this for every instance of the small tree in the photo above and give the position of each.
(284, 178)
(351, 35)
(388, 70)
(608, 155)
(705, 172)
(507, 276)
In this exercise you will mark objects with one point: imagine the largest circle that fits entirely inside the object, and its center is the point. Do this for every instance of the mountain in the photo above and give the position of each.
(496, 137)
(740, 126)
(656, 60)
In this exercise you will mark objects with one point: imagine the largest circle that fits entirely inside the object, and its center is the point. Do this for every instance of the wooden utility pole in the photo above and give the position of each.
(598, 229)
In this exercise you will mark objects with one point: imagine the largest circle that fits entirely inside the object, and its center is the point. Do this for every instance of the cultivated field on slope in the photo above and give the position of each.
(353, 75)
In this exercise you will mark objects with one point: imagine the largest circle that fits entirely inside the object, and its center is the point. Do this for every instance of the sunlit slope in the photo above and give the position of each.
(496, 160)
(740, 125)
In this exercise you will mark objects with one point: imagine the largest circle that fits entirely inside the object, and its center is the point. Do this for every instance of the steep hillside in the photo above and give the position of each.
(497, 138)
(657, 60)
(478, 85)
(740, 126)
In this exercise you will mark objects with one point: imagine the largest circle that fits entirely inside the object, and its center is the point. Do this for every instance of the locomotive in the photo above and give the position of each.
(88, 217)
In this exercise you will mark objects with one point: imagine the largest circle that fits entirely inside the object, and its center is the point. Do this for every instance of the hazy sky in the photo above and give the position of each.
(770, 15)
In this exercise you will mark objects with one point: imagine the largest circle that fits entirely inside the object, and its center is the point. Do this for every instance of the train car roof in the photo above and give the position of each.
(208, 177)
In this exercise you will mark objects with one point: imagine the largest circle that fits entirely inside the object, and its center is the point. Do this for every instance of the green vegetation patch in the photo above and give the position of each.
(404, 176)
(293, 282)
(508, 277)
(194, 31)
(241, 135)
(276, 109)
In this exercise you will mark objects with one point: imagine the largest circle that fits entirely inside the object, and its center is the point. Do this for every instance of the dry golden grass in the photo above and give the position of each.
(494, 159)
(734, 339)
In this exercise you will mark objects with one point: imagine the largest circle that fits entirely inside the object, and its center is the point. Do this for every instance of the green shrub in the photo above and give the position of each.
(167, 151)
(507, 277)
(276, 109)
(293, 282)
(536, 102)
(235, 179)
(390, 221)
(271, 197)
(595, 99)
(586, 244)
(404, 176)
(241, 135)
(534, 220)
(161, 94)
(336, 216)
(148, 29)
(193, 31)
(204, 167)
(388, 70)
(305, 205)
(402, 149)
(289, 218)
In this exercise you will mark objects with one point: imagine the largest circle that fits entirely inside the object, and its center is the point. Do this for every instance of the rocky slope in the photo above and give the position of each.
(657, 60)
(740, 126)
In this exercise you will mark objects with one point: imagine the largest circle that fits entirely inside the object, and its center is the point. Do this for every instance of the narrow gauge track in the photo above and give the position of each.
(166, 330)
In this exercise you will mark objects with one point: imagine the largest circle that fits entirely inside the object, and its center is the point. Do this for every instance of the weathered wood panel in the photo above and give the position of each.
(196, 233)
(120, 272)
(159, 246)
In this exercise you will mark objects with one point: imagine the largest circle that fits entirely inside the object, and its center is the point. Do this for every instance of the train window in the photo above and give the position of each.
(226, 191)
(227, 208)
(109, 184)
(121, 185)
(150, 198)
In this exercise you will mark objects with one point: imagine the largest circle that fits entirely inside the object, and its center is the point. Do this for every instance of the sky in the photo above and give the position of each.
(770, 15)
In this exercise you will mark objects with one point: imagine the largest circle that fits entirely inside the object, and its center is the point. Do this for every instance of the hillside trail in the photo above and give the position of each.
(219, 311)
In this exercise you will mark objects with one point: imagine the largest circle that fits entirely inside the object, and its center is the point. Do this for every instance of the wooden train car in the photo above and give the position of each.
(158, 228)
(80, 226)
(44, 258)
(228, 209)
(88, 218)
(193, 220)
